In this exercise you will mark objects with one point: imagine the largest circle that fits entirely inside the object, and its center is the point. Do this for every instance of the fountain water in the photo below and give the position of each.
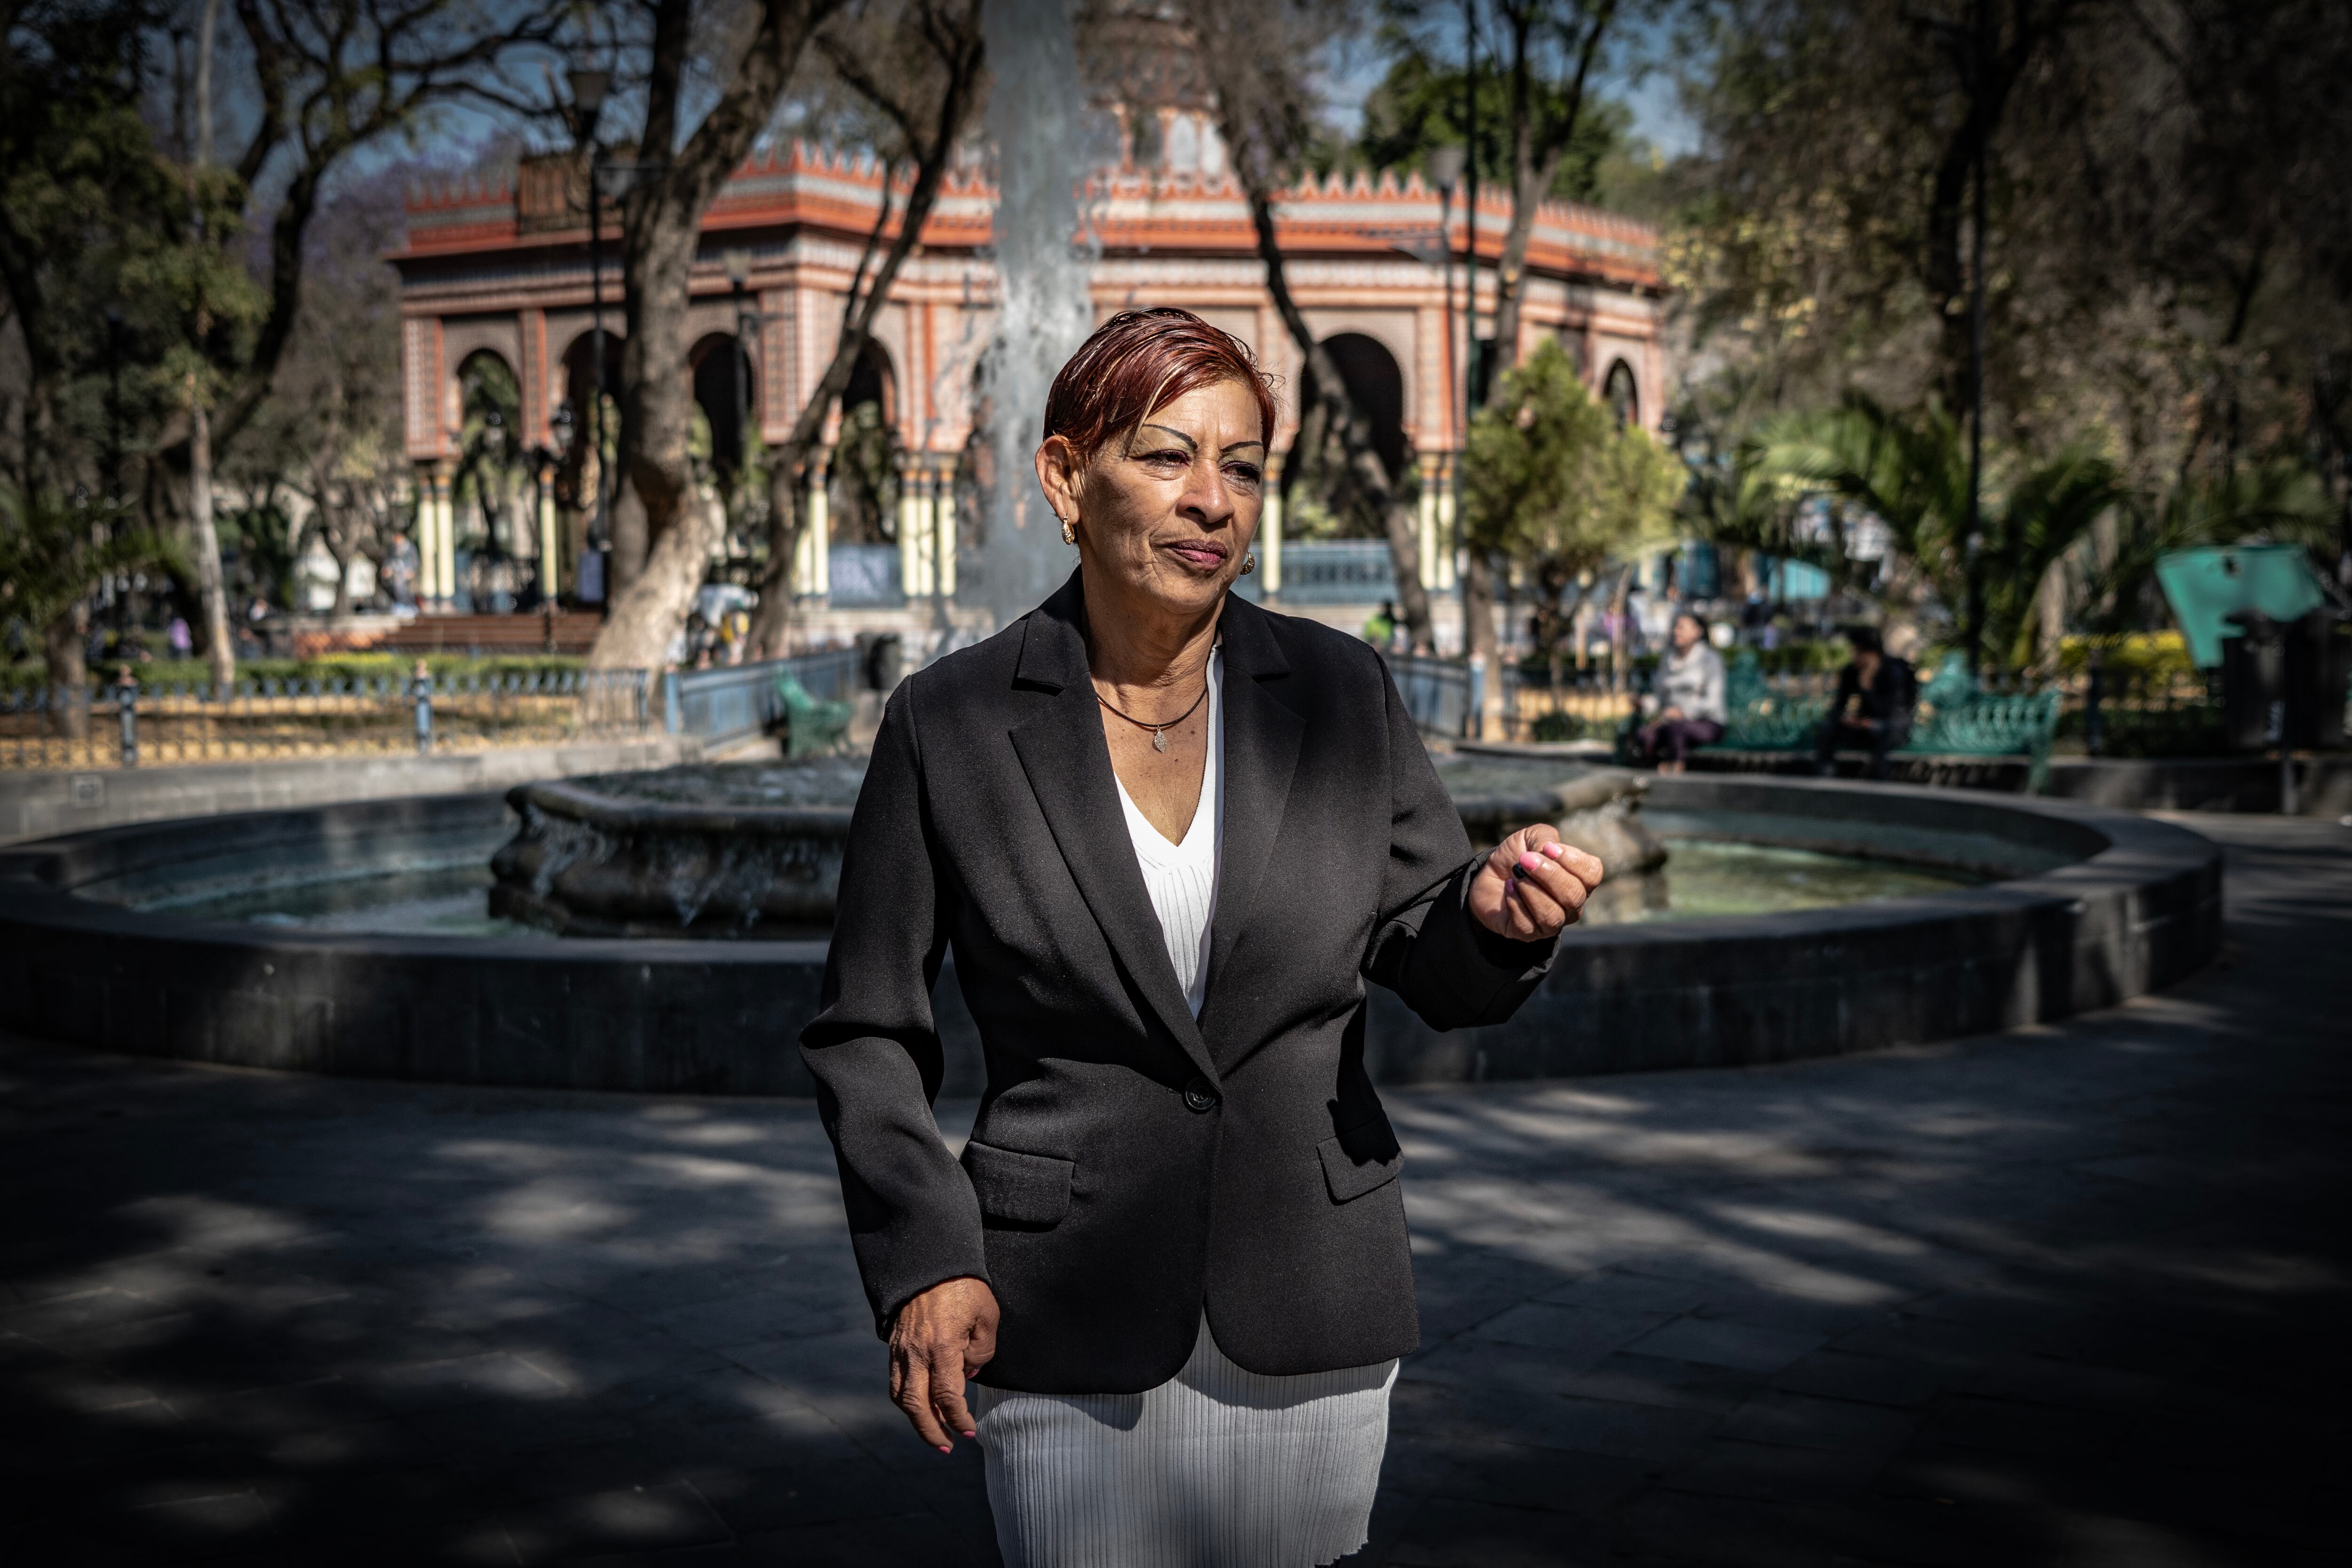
(1047, 139)
(739, 850)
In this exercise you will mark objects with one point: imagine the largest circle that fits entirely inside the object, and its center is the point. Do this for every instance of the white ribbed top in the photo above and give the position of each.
(1183, 878)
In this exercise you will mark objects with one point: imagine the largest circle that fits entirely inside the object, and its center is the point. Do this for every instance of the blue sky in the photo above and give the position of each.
(1357, 66)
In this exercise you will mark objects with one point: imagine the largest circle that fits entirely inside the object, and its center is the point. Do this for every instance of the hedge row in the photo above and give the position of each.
(337, 667)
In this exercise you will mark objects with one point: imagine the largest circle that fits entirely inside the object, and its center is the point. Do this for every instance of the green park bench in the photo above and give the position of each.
(1957, 723)
(1757, 718)
(812, 725)
(1961, 723)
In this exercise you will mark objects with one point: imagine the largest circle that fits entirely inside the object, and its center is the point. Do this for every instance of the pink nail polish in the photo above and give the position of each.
(1529, 864)
(1555, 850)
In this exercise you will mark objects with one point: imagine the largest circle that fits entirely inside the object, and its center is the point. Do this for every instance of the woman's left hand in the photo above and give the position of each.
(1533, 887)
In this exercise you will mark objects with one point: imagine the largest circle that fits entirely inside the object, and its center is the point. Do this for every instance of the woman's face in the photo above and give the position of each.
(1687, 633)
(1167, 511)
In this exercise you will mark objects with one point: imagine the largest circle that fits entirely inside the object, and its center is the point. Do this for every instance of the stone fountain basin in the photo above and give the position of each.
(735, 850)
(2091, 907)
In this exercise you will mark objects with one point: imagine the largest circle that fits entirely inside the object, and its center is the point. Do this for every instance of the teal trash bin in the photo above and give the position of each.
(2258, 612)
(2205, 587)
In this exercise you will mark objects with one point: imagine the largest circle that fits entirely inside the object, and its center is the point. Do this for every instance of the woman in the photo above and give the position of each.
(1690, 697)
(1167, 834)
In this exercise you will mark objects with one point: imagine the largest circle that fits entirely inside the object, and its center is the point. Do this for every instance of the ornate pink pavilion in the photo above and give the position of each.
(500, 267)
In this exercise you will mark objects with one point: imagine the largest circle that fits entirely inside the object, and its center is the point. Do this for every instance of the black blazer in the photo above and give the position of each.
(1128, 1166)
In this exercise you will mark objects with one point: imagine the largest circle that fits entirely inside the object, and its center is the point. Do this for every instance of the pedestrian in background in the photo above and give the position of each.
(1689, 694)
(1872, 711)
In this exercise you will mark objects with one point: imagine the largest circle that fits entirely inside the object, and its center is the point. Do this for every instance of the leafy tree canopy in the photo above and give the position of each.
(1551, 479)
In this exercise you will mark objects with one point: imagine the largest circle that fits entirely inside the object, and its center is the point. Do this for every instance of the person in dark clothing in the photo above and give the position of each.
(1875, 693)
(1169, 838)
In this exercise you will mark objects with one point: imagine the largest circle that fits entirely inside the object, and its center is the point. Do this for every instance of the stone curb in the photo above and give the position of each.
(2138, 908)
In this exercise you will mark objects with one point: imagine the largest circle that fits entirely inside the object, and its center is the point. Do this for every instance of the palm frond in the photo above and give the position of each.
(55, 552)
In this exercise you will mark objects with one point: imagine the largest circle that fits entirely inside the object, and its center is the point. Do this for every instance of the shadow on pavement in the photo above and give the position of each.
(2065, 1296)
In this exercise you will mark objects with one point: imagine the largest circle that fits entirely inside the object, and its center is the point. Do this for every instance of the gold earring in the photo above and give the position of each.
(1249, 563)
(1069, 531)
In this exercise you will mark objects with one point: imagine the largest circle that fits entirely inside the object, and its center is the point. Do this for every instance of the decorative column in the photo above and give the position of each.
(813, 556)
(943, 529)
(1449, 537)
(445, 514)
(550, 562)
(914, 534)
(1269, 530)
(1426, 533)
(530, 380)
(429, 564)
(427, 537)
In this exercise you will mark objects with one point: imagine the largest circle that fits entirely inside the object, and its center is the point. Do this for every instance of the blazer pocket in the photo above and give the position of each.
(1360, 1159)
(1017, 1188)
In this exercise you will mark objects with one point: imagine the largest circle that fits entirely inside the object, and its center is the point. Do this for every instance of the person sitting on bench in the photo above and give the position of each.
(1875, 693)
(1690, 698)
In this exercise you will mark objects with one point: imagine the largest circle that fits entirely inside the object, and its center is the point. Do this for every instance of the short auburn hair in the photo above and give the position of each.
(1140, 360)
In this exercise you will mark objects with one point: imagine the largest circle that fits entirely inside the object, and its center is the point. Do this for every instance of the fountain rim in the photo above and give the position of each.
(2140, 910)
(2131, 841)
(574, 802)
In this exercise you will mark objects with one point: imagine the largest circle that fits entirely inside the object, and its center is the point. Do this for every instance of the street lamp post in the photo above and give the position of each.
(1470, 202)
(1446, 165)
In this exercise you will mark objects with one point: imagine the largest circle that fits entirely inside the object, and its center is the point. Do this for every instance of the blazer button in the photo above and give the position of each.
(1200, 1096)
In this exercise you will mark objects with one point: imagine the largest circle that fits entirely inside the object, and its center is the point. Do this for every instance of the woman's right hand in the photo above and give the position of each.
(942, 1337)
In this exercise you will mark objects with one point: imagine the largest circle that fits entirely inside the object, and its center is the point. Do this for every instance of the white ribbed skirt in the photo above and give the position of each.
(1217, 1467)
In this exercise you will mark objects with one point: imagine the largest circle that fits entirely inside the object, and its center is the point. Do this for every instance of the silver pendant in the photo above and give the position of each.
(1158, 741)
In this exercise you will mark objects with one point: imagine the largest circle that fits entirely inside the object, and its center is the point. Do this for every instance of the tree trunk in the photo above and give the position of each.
(63, 643)
(1527, 189)
(343, 560)
(771, 624)
(2049, 616)
(1478, 605)
(1535, 164)
(1553, 637)
(771, 618)
(653, 584)
(1404, 522)
(220, 653)
(1354, 430)
(1619, 673)
(657, 394)
(645, 621)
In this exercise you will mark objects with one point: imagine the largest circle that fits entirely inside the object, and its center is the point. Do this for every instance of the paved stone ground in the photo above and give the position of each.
(2066, 1295)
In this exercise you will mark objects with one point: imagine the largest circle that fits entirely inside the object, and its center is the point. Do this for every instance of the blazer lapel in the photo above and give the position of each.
(1068, 763)
(1262, 741)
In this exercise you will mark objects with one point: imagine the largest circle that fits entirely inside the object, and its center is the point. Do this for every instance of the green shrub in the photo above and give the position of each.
(2188, 730)
(1558, 727)
(371, 667)
(2149, 656)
